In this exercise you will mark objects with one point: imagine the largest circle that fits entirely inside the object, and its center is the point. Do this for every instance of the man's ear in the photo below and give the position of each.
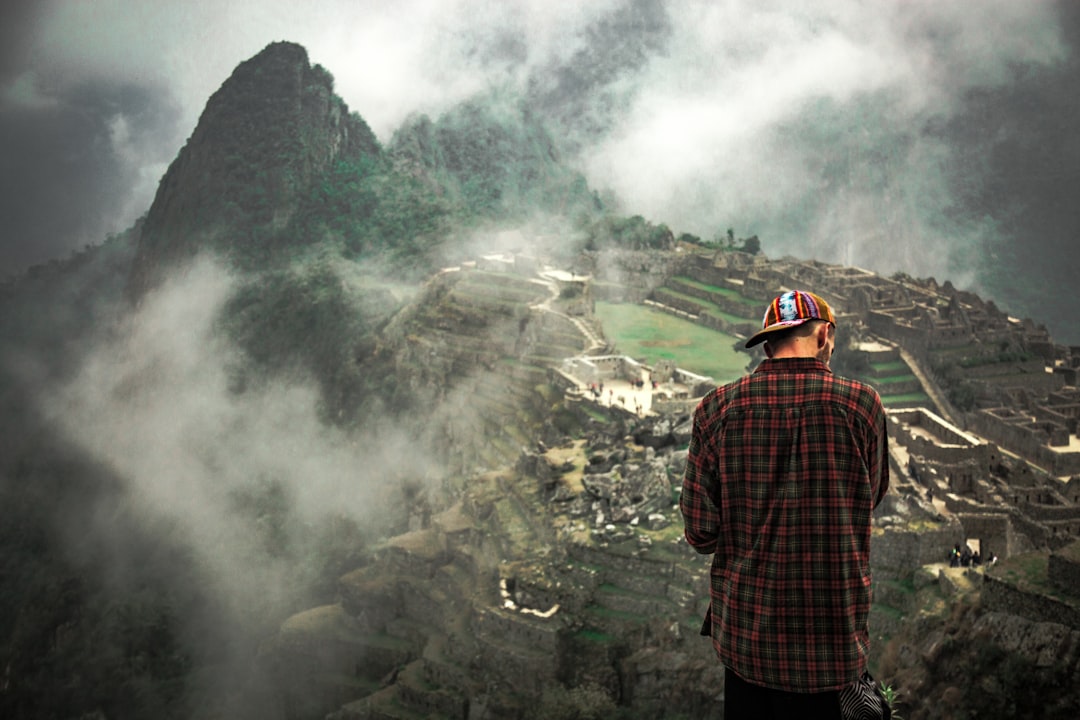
(768, 349)
(822, 334)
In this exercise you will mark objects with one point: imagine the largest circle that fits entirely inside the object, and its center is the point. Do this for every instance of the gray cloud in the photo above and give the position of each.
(758, 113)
(818, 127)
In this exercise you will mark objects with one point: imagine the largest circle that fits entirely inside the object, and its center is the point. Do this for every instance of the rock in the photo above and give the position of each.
(1041, 643)
(948, 585)
(931, 646)
(657, 521)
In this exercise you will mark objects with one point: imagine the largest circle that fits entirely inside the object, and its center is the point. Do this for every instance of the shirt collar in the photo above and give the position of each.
(798, 364)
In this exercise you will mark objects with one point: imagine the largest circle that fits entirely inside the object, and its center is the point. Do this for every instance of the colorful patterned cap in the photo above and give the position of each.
(789, 310)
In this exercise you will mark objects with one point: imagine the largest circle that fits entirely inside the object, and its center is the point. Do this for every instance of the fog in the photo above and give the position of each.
(250, 485)
(816, 127)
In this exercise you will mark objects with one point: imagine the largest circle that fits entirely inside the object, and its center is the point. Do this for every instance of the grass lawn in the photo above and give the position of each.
(893, 379)
(902, 400)
(891, 367)
(651, 335)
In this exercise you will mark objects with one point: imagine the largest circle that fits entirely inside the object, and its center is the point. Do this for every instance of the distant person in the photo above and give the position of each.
(784, 469)
(954, 556)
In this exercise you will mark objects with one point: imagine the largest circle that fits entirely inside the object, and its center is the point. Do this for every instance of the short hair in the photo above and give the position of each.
(783, 337)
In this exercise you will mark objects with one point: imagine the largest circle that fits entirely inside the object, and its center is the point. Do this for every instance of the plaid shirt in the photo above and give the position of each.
(784, 470)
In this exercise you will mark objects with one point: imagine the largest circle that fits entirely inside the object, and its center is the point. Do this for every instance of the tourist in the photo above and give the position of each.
(784, 469)
(954, 556)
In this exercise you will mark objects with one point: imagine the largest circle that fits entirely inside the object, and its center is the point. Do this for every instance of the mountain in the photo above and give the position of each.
(294, 471)
(292, 191)
(278, 163)
(317, 239)
(271, 129)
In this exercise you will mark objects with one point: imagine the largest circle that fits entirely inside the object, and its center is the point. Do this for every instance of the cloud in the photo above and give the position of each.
(153, 403)
(815, 126)
(805, 124)
(96, 161)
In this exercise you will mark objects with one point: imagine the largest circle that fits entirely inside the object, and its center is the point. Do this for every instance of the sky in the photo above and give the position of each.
(804, 123)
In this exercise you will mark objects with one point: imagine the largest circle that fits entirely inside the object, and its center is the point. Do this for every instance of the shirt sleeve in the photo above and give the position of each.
(879, 456)
(700, 515)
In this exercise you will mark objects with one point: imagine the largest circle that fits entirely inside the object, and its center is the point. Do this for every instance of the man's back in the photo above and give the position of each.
(784, 470)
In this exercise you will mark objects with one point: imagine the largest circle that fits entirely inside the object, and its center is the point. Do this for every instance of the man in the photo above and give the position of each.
(785, 467)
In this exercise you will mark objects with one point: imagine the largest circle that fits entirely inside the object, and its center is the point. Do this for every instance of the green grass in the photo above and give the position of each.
(595, 636)
(595, 414)
(708, 308)
(950, 352)
(733, 319)
(1025, 569)
(620, 615)
(652, 335)
(1030, 572)
(892, 612)
(726, 292)
(908, 398)
(893, 379)
(889, 367)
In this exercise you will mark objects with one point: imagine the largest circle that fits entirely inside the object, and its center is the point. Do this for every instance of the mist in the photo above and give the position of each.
(266, 502)
(839, 132)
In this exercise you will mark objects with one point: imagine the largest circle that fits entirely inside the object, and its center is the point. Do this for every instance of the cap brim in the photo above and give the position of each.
(763, 334)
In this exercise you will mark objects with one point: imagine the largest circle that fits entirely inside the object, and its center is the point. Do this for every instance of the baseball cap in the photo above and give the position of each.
(789, 310)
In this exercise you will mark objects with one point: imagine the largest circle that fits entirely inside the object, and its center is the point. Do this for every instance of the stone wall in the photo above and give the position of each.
(1002, 596)
(721, 324)
(597, 368)
(637, 271)
(658, 569)
(1027, 439)
(900, 551)
(1064, 571)
(1046, 512)
(727, 304)
(618, 293)
(518, 628)
(902, 387)
(934, 424)
(949, 452)
(993, 531)
(674, 406)
(684, 305)
(433, 703)
(913, 339)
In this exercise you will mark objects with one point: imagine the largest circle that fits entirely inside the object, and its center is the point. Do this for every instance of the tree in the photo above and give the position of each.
(751, 245)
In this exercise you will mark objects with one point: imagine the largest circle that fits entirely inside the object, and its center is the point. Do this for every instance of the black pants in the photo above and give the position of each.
(746, 701)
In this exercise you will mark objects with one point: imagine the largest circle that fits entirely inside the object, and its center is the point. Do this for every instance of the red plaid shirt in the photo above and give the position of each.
(784, 470)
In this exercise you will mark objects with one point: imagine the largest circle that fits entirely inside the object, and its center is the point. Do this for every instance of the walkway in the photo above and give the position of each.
(593, 341)
(940, 404)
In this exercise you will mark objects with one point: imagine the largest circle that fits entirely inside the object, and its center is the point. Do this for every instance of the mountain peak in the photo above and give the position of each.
(271, 127)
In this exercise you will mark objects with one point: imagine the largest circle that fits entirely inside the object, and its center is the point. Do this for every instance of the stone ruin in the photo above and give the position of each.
(570, 568)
